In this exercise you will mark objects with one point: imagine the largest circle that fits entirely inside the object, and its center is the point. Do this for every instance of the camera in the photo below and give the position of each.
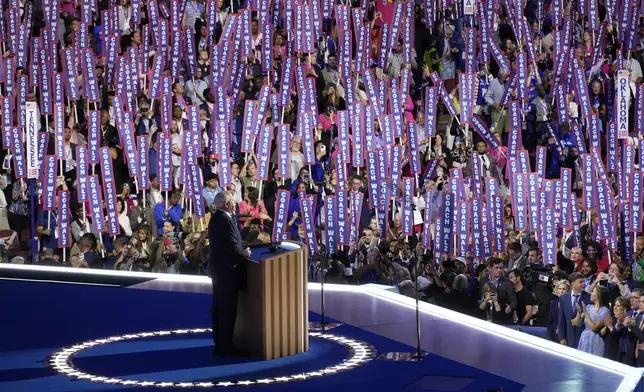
(539, 279)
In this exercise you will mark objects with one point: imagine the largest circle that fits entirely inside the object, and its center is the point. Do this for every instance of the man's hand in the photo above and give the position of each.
(564, 342)
(508, 309)
(248, 251)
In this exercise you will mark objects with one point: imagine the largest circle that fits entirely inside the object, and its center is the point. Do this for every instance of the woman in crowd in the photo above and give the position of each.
(618, 341)
(593, 316)
(252, 207)
(561, 288)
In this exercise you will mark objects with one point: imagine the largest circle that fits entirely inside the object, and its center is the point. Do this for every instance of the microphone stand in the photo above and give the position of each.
(323, 319)
(418, 355)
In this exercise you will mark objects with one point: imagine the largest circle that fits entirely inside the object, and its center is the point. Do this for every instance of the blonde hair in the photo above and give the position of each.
(264, 237)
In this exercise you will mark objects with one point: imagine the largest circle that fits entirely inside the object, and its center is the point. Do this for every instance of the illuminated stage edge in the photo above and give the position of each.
(542, 365)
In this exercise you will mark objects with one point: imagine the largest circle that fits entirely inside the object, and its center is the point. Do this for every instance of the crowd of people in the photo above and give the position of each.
(180, 100)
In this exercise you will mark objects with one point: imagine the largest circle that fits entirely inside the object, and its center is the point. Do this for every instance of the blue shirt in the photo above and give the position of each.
(50, 241)
(174, 214)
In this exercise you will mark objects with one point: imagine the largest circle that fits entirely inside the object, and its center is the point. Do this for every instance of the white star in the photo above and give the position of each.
(200, 330)
(300, 377)
(146, 383)
(315, 374)
(280, 379)
(186, 385)
(146, 334)
(245, 382)
(129, 382)
(84, 376)
(181, 331)
(132, 336)
(329, 371)
(161, 333)
(265, 381)
(205, 384)
(225, 384)
(165, 384)
(113, 381)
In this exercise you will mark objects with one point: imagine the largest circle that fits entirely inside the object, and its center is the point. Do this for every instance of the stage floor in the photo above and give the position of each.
(75, 306)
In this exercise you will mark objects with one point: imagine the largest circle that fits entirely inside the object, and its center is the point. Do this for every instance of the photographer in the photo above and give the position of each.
(504, 296)
(613, 281)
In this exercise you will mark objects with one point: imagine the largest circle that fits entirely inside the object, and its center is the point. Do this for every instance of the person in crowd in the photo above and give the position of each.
(569, 305)
(504, 293)
(619, 343)
(593, 315)
(525, 299)
(171, 211)
(459, 299)
(613, 281)
(561, 288)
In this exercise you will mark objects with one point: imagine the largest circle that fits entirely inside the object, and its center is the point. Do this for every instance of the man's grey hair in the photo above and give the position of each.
(460, 283)
(222, 199)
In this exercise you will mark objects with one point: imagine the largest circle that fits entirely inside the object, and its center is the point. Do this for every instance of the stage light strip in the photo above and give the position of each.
(503, 332)
(61, 362)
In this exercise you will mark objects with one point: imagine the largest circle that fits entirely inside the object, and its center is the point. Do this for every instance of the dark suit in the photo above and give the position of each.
(553, 320)
(566, 313)
(226, 266)
(507, 296)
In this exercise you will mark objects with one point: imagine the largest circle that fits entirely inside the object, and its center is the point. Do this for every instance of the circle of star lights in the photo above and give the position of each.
(61, 362)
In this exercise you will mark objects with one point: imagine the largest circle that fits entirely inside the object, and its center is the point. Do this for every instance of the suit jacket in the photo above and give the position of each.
(226, 251)
(553, 320)
(507, 296)
(566, 313)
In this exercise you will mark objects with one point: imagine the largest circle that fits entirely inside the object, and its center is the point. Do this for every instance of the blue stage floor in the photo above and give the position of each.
(43, 317)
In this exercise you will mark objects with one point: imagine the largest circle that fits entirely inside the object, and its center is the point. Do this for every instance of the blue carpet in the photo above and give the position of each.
(46, 317)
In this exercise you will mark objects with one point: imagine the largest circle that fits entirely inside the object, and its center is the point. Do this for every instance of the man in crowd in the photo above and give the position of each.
(568, 333)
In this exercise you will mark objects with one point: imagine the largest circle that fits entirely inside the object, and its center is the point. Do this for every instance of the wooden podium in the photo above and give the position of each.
(272, 315)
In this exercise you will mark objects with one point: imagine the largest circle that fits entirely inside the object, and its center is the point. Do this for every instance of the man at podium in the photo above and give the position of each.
(226, 269)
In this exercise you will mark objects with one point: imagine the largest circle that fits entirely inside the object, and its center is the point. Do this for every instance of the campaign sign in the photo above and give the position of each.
(396, 168)
(196, 183)
(636, 202)
(448, 206)
(164, 170)
(588, 166)
(341, 196)
(95, 204)
(561, 97)
(518, 202)
(623, 101)
(407, 215)
(281, 213)
(566, 178)
(63, 219)
(549, 245)
(427, 239)
(477, 229)
(431, 100)
(33, 164)
(414, 153)
(283, 151)
(331, 228)
(341, 168)
(603, 209)
(533, 188)
(45, 84)
(612, 146)
(264, 152)
(373, 178)
(595, 129)
(127, 138)
(49, 183)
(498, 222)
(143, 162)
